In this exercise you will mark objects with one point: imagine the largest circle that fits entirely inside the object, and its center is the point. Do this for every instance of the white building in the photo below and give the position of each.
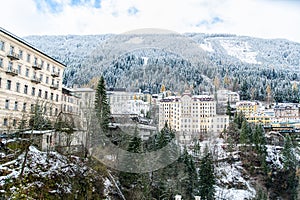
(224, 96)
(191, 115)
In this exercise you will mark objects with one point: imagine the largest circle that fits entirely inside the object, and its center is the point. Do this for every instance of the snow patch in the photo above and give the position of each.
(206, 46)
(241, 50)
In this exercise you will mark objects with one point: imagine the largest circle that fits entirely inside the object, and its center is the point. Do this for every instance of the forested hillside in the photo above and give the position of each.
(202, 61)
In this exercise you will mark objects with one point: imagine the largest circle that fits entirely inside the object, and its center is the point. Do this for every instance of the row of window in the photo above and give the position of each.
(17, 107)
(29, 57)
(19, 71)
(34, 91)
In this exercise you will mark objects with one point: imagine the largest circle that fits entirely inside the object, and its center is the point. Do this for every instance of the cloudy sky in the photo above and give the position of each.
(259, 18)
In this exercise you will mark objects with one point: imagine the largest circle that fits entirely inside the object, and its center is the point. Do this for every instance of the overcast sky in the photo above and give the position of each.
(259, 18)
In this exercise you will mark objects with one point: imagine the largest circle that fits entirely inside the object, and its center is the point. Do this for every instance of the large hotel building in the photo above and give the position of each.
(28, 77)
(191, 115)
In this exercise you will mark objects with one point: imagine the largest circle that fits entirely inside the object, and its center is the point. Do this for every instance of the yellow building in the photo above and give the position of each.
(260, 118)
(27, 77)
(247, 107)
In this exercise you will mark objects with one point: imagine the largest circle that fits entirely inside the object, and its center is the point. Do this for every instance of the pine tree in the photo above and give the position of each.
(228, 110)
(127, 179)
(244, 136)
(102, 107)
(207, 177)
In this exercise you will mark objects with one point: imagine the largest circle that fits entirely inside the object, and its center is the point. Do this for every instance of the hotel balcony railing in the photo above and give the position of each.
(37, 66)
(34, 79)
(13, 56)
(54, 86)
(55, 74)
(11, 71)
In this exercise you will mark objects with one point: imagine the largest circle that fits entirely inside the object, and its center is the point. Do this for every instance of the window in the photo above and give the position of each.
(58, 71)
(46, 95)
(45, 110)
(57, 97)
(19, 69)
(2, 46)
(33, 91)
(17, 87)
(25, 89)
(10, 66)
(24, 107)
(8, 84)
(28, 57)
(41, 77)
(0, 81)
(48, 67)
(20, 54)
(27, 72)
(35, 60)
(47, 80)
(16, 105)
(56, 111)
(5, 122)
(50, 111)
(11, 50)
(32, 108)
(42, 64)
(1, 62)
(40, 93)
(6, 104)
(14, 122)
(51, 96)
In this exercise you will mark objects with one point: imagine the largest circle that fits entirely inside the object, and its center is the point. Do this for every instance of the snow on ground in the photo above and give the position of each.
(232, 182)
(241, 50)
(206, 46)
(274, 156)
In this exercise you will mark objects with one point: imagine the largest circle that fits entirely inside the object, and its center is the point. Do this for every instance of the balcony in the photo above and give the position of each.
(13, 56)
(35, 80)
(37, 66)
(54, 86)
(11, 71)
(55, 74)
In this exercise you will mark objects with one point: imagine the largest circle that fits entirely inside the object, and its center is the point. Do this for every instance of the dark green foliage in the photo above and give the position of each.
(38, 121)
(102, 107)
(228, 110)
(207, 177)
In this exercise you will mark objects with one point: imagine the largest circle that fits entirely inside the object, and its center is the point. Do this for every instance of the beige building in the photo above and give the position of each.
(191, 115)
(27, 77)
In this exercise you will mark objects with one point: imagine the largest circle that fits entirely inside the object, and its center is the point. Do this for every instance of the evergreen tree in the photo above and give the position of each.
(127, 179)
(38, 121)
(228, 110)
(244, 136)
(102, 107)
(207, 177)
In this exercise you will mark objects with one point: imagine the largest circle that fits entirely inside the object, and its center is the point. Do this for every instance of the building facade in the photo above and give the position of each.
(191, 115)
(28, 77)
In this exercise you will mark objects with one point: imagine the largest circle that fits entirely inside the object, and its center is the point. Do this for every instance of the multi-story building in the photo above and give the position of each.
(70, 102)
(136, 107)
(224, 96)
(264, 117)
(247, 107)
(285, 112)
(191, 115)
(27, 77)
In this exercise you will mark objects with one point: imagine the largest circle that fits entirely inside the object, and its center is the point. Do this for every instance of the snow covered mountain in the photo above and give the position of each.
(178, 61)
